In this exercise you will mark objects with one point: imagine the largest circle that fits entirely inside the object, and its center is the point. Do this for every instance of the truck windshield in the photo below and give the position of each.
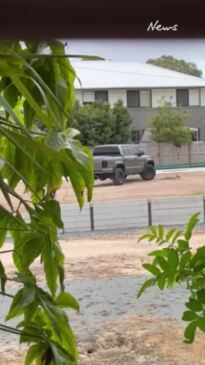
(106, 151)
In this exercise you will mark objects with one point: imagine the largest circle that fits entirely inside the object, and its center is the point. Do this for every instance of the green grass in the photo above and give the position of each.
(197, 193)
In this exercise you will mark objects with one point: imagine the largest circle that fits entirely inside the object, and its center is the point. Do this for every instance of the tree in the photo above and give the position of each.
(178, 65)
(94, 122)
(167, 126)
(175, 262)
(98, 123)
(37, 88)
(121, 123)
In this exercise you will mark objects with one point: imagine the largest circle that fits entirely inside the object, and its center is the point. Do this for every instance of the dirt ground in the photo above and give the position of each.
(135, 340)
(164, 185)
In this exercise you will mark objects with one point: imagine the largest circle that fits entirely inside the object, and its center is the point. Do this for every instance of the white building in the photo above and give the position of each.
(141, 87)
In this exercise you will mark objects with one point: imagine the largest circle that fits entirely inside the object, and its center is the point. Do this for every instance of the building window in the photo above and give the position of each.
(135, 136)
(88, 97)
(182, 97)
(138, 98)
(195, 134)
(101, 95)
(133, 100)
(145, 98)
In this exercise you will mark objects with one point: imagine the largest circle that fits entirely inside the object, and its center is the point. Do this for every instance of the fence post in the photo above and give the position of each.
(204, 207)
(92, 223)
(149, 206)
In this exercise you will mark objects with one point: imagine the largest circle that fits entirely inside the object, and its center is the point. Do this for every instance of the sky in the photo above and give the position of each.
(139, 50)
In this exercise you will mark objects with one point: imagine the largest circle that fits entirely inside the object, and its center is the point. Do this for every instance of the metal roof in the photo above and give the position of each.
(120, 75)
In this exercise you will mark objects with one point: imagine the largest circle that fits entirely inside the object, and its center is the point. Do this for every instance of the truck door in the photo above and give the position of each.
(136, 161)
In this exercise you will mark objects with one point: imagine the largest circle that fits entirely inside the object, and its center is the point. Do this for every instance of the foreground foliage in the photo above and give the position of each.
(175, 262)
(38, 149)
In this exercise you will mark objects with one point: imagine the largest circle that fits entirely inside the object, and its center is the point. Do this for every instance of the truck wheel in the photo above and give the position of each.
(119, 176)
(148, 173)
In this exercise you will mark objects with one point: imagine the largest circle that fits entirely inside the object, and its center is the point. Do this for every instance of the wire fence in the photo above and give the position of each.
(130, 214)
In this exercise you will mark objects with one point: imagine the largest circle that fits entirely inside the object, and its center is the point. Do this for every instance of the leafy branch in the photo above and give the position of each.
(176, 263)
(38, 149)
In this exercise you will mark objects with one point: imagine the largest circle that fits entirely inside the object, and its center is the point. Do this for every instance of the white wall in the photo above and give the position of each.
(167, 94)
(202, 96)
(193, 96)
(79, 96)
(115, 95)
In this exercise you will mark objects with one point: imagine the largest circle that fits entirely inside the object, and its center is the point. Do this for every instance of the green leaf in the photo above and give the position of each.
(61, 356)
(147, 284)
(160, 231)
(143, 237)
(194, 305)
(201, 323)
(66, 300)
(163, 253)
(31, 247)
(6, 190)
(52, 207)
(189, 316)
(190, 225)
(183, 245)
(162, 263)
(173, 259)
(34, 352)
(50, 265)
(189, 332)
(11, 94)
(15, 308)
(152, 237)
(185, 260)
(200, 254)
(10, 111)
(161, 282)
(152, 269)
(26, 93)
(201, 296)
(170, 233)
(2, 277)
(20, 141)
(29, 114)
(23, 298)
(176, 236)
(29, 295)
(153, 230)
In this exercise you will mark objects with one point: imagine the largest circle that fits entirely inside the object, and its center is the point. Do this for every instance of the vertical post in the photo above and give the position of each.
(189, 154)
(92, 224)
(149, 206)
(204, 207)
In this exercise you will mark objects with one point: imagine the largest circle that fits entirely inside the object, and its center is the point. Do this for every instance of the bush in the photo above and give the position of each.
(98, 123)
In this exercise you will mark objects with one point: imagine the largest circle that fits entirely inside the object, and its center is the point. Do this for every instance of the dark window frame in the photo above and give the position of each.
(138, 104)
(135, 136)
(132, 94)
(196, 135)
(105, 100)
(178, 96)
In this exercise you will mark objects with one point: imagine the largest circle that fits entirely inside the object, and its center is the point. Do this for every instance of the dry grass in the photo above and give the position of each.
(143, 341)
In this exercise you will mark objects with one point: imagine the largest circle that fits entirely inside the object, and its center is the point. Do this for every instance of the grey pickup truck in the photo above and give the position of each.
(118, 161)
